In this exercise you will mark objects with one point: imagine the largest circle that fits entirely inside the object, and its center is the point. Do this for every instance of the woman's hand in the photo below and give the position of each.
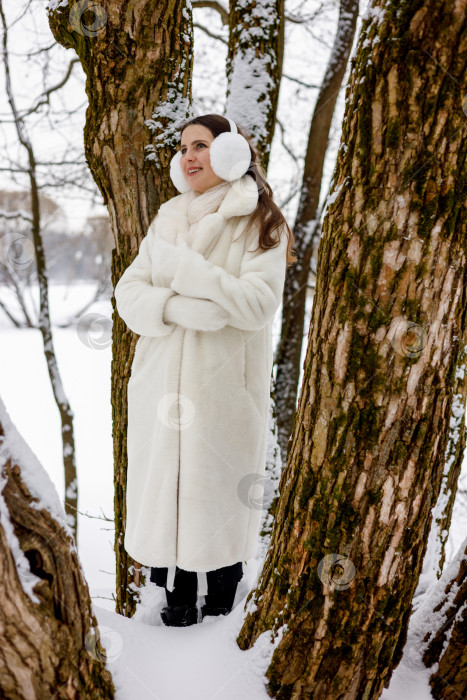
(197, 314)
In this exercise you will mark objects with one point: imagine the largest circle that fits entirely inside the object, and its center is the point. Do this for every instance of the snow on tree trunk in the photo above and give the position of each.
(138, 63)
(433, 563)
(295, 288)
(367, 456)
(449, 646)
(438, 631)
(49, 638)
(254, 68)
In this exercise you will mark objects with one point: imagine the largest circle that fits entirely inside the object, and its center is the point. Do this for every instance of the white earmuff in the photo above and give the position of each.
(176, 174)
(229, 154)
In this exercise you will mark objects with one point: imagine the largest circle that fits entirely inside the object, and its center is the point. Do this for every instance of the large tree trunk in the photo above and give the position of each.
(368, 448)
(306, 225)
(138, 63)
(254, 68)
(49, 638)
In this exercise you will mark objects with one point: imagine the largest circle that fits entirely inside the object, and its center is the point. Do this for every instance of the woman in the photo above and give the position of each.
(202, 294)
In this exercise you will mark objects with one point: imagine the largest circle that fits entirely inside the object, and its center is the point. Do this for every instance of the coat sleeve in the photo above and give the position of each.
(139, 303)
(252, 298)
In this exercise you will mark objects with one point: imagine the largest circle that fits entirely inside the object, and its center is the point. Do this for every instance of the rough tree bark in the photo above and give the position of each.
(295, 289)
(138, 63)
(254, 68)
(367, 454)
(49, 638)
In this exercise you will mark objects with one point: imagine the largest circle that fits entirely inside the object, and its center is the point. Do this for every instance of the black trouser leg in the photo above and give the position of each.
(225, 599)
(184, 589)
(222, 586)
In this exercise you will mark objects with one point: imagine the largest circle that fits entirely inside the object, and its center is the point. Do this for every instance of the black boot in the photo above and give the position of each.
(209, 610)
(181, 609)
(179, 615)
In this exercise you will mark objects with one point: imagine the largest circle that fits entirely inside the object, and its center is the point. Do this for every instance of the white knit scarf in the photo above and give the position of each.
(203, 204)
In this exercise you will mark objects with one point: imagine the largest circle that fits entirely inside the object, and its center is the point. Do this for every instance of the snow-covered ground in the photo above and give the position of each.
(147, 659)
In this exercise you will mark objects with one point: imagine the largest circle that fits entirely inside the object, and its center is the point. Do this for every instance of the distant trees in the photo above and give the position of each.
(30, 221)
(70, 256)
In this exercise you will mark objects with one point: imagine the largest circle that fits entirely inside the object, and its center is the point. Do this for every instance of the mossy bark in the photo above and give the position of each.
(368, 448)
(49, 648)
(305, 229)
(139, 56)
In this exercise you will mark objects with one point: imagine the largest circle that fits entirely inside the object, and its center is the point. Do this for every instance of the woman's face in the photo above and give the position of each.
(195, 143)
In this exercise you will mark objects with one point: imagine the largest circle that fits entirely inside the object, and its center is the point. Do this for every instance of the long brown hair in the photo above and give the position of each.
(267, 213)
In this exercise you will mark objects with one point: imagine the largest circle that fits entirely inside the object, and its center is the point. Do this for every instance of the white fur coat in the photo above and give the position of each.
(198, 401)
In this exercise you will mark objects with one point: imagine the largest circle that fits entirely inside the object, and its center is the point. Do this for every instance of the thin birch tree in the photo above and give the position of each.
(44, 322)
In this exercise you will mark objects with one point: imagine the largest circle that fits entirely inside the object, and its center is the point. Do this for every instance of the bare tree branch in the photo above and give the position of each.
(213, 5)
(213, 36)
(44, 98)
(15, 215)
(300, 82)
(44, 321)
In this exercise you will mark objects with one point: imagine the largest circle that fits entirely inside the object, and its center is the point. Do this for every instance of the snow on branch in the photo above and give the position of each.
(20, 214)
(14, 447)
(250, 76)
